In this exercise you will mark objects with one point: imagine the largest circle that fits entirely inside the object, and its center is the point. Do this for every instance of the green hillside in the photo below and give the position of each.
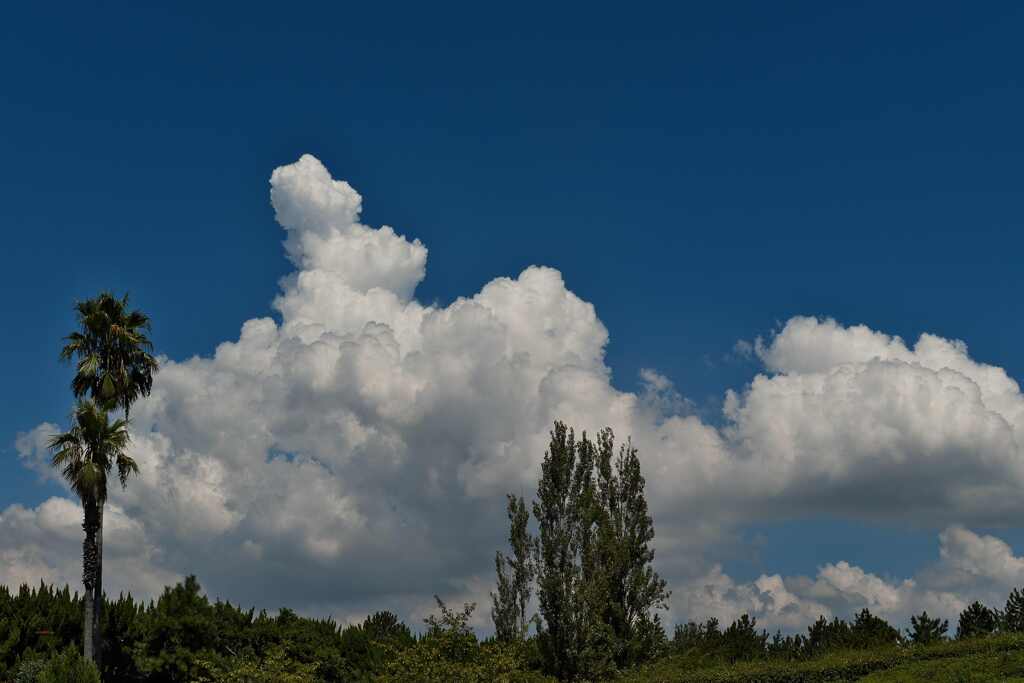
(997, 658)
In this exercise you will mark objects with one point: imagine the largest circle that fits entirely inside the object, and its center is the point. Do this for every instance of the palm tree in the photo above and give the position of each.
(85, 454)
(114, 368)
(114, 361)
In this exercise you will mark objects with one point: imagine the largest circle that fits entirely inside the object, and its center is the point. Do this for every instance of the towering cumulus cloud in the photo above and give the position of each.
(354, 455)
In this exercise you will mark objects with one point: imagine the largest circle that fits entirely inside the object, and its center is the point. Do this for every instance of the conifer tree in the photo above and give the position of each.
(925, 630)
(1013, 615)
(976, 620)
(869, 631)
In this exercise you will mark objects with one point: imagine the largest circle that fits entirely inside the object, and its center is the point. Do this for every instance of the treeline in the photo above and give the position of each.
(182, 637)
(742, 641)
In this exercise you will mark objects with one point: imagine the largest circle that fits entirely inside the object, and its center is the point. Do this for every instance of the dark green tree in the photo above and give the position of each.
(563, 509)
(515, 577)
(925, 630)
(868, 631)
(114, 367)
(386, 627)
(704, 638)
(175, 633)
(1013, 615)
(741, 641)
(977, 620)
(451, 632)
(597, 588)
(790, 647)
(85, 455)
(625, 530)
(825, 635)
(112, 351)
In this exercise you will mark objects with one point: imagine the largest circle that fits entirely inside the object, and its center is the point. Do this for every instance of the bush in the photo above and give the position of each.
(67, 667)
(450, 652)
(275, 667)
(29, 670)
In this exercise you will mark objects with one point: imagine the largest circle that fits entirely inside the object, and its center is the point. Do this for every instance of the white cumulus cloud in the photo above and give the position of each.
(353, 453)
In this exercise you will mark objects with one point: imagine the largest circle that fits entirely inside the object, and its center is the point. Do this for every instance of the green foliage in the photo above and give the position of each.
(515, 576)
(824, 635)
(173, 633)
(182, 636)
(196, 641)
(925, 630)
(742, 642)
(869, 631)
(977, 620)
(29, 670)
(67, 666)
(596, 585)
(274, 667)
(111, 349)
(87, 452)
(693, 637)
(1013, 615)
(114, 367)
(988, 659)
(37, 622)
(449, 651)
(387, 628)
(119, 626)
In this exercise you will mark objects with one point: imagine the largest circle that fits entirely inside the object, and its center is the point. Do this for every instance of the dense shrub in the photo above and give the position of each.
(449, 651)
(37, 622)
(67, 666)
(182, 636)
(274, 667)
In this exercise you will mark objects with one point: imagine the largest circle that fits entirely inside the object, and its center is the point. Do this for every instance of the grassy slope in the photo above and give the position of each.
(999, 658)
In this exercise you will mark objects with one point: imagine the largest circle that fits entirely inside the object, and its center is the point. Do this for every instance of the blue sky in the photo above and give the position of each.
(699, 174)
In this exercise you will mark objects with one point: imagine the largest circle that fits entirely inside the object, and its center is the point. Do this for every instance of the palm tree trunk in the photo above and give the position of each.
(97, 609)
(90, 553)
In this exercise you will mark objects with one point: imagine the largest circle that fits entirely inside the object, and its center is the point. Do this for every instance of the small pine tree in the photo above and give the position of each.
(386, 627)
(825, 635)
(925, 630)
(742, 642)
(700, 637)
(868, 631)
(975, 621)
(1013, 615)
